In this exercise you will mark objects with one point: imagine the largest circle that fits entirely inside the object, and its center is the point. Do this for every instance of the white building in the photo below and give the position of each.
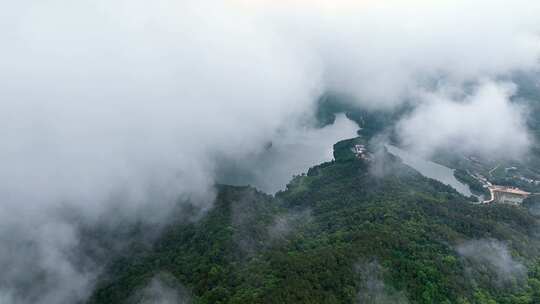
(361, 151)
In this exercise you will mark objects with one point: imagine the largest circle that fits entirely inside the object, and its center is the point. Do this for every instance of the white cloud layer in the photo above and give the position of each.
(485, 123)
(132, 102)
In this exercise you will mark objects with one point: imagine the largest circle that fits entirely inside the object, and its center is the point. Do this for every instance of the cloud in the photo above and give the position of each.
(494, 255)
(373, 289)
(383, 52)
(162, 289)
(285, 224)
(119, 108)
(485, 122)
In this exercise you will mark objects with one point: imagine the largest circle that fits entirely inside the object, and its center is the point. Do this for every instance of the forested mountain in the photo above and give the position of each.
(347, 231)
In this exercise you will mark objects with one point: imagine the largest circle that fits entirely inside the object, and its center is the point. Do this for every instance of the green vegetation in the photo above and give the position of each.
(350, 232)
(344, 150)
(331, 234)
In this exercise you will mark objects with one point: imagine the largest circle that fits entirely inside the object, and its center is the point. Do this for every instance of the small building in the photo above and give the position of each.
(361, 151)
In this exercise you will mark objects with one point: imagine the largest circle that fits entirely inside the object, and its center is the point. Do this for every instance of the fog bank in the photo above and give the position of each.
(122, 108)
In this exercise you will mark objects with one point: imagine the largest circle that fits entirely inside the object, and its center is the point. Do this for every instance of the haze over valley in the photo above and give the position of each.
(203, 151)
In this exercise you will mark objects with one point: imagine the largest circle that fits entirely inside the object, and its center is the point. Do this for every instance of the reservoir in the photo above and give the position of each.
(430, 169)
(292, 151)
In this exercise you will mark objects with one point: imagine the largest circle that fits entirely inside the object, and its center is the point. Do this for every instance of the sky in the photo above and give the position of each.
(121, 106)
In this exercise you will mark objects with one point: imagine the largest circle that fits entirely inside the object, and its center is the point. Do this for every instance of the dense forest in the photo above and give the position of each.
(347, 231)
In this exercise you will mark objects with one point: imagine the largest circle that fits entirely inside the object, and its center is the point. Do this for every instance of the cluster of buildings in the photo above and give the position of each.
(520, 177)
(361, 152)
(507, 195)
(530, 181)
(502, 194)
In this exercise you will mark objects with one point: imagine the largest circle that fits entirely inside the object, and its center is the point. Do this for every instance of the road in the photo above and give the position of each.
(492, 194)
(496, 167)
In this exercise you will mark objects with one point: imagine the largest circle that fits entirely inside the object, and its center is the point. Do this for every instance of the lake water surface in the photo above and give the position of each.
(292, 152)
(430, 169)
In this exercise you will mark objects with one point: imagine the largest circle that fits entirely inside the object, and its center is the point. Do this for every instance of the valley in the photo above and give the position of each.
(310, 242)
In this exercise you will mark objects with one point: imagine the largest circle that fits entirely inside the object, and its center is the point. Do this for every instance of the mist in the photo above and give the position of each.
(495, 256)
(373, 290)
(116, 108)
(482, 123)
(162, 289)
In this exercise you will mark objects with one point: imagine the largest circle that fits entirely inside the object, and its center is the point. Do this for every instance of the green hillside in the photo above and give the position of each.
(345, 232)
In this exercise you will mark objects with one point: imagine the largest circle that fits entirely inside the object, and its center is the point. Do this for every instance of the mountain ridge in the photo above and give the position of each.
(347, 231)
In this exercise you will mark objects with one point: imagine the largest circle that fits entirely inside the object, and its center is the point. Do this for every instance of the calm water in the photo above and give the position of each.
(430, 169)
(292, 152)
